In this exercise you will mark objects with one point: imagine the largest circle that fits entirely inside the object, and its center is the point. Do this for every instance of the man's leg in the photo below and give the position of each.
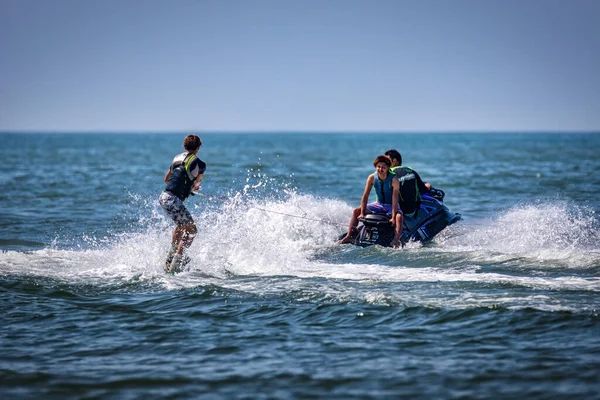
(188, 232)
(175, 241)
(175, 209)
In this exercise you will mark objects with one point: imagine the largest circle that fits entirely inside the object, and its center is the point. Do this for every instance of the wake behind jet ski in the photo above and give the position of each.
(431, 218)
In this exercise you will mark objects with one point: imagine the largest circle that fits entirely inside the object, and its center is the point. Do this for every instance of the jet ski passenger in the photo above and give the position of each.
(411, 184)
(387, 188)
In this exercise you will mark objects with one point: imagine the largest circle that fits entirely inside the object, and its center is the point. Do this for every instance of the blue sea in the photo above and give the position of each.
(502, 305)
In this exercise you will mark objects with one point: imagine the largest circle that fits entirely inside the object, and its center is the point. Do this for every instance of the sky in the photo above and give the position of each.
(308, 65)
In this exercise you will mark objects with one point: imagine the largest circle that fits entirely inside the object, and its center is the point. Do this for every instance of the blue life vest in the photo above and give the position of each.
(383, 189)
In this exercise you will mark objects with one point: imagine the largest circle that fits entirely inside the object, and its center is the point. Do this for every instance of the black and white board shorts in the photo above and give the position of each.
(175, 208)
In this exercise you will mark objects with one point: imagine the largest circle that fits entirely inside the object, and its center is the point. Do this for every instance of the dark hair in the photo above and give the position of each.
(192, 142)
(394, 154)
(382, 159)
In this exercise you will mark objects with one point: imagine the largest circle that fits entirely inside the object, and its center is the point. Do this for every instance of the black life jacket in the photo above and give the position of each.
(410, 196)
(181, 180)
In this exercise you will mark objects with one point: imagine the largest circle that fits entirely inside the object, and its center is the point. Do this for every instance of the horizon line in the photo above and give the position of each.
(291, 131)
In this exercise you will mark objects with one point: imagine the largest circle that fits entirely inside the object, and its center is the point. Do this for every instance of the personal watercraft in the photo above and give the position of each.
(431, 218)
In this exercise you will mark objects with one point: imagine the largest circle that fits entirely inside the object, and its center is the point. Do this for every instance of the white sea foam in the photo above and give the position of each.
(554, 233)
(294, 238)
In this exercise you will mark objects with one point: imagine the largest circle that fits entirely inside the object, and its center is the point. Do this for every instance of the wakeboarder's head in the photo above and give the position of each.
(192, 143)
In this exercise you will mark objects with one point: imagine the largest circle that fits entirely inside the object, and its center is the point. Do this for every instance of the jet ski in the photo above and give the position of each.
(431, 218)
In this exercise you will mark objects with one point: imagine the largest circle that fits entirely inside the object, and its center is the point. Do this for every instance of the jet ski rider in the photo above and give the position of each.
(411, 184)
(387, 188)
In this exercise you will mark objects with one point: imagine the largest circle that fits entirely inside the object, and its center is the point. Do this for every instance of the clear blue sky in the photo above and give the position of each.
(310, 65)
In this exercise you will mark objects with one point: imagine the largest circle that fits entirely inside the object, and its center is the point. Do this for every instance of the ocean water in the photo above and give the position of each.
(503, 305)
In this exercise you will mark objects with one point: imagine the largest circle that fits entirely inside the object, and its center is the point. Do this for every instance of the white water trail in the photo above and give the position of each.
(287, 248)
(556, 233)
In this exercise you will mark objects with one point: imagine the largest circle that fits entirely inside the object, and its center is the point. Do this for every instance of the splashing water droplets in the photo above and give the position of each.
(546, 231)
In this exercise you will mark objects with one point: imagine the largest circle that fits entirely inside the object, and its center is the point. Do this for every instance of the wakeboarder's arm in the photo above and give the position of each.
(365, 197)
(201, 168)
(198, 181)
(167, 176)
(395, 189)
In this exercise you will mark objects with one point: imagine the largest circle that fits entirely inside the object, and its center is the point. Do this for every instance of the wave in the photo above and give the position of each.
(286, 247)
(556, 234)
(19, 243)
(235, 236)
